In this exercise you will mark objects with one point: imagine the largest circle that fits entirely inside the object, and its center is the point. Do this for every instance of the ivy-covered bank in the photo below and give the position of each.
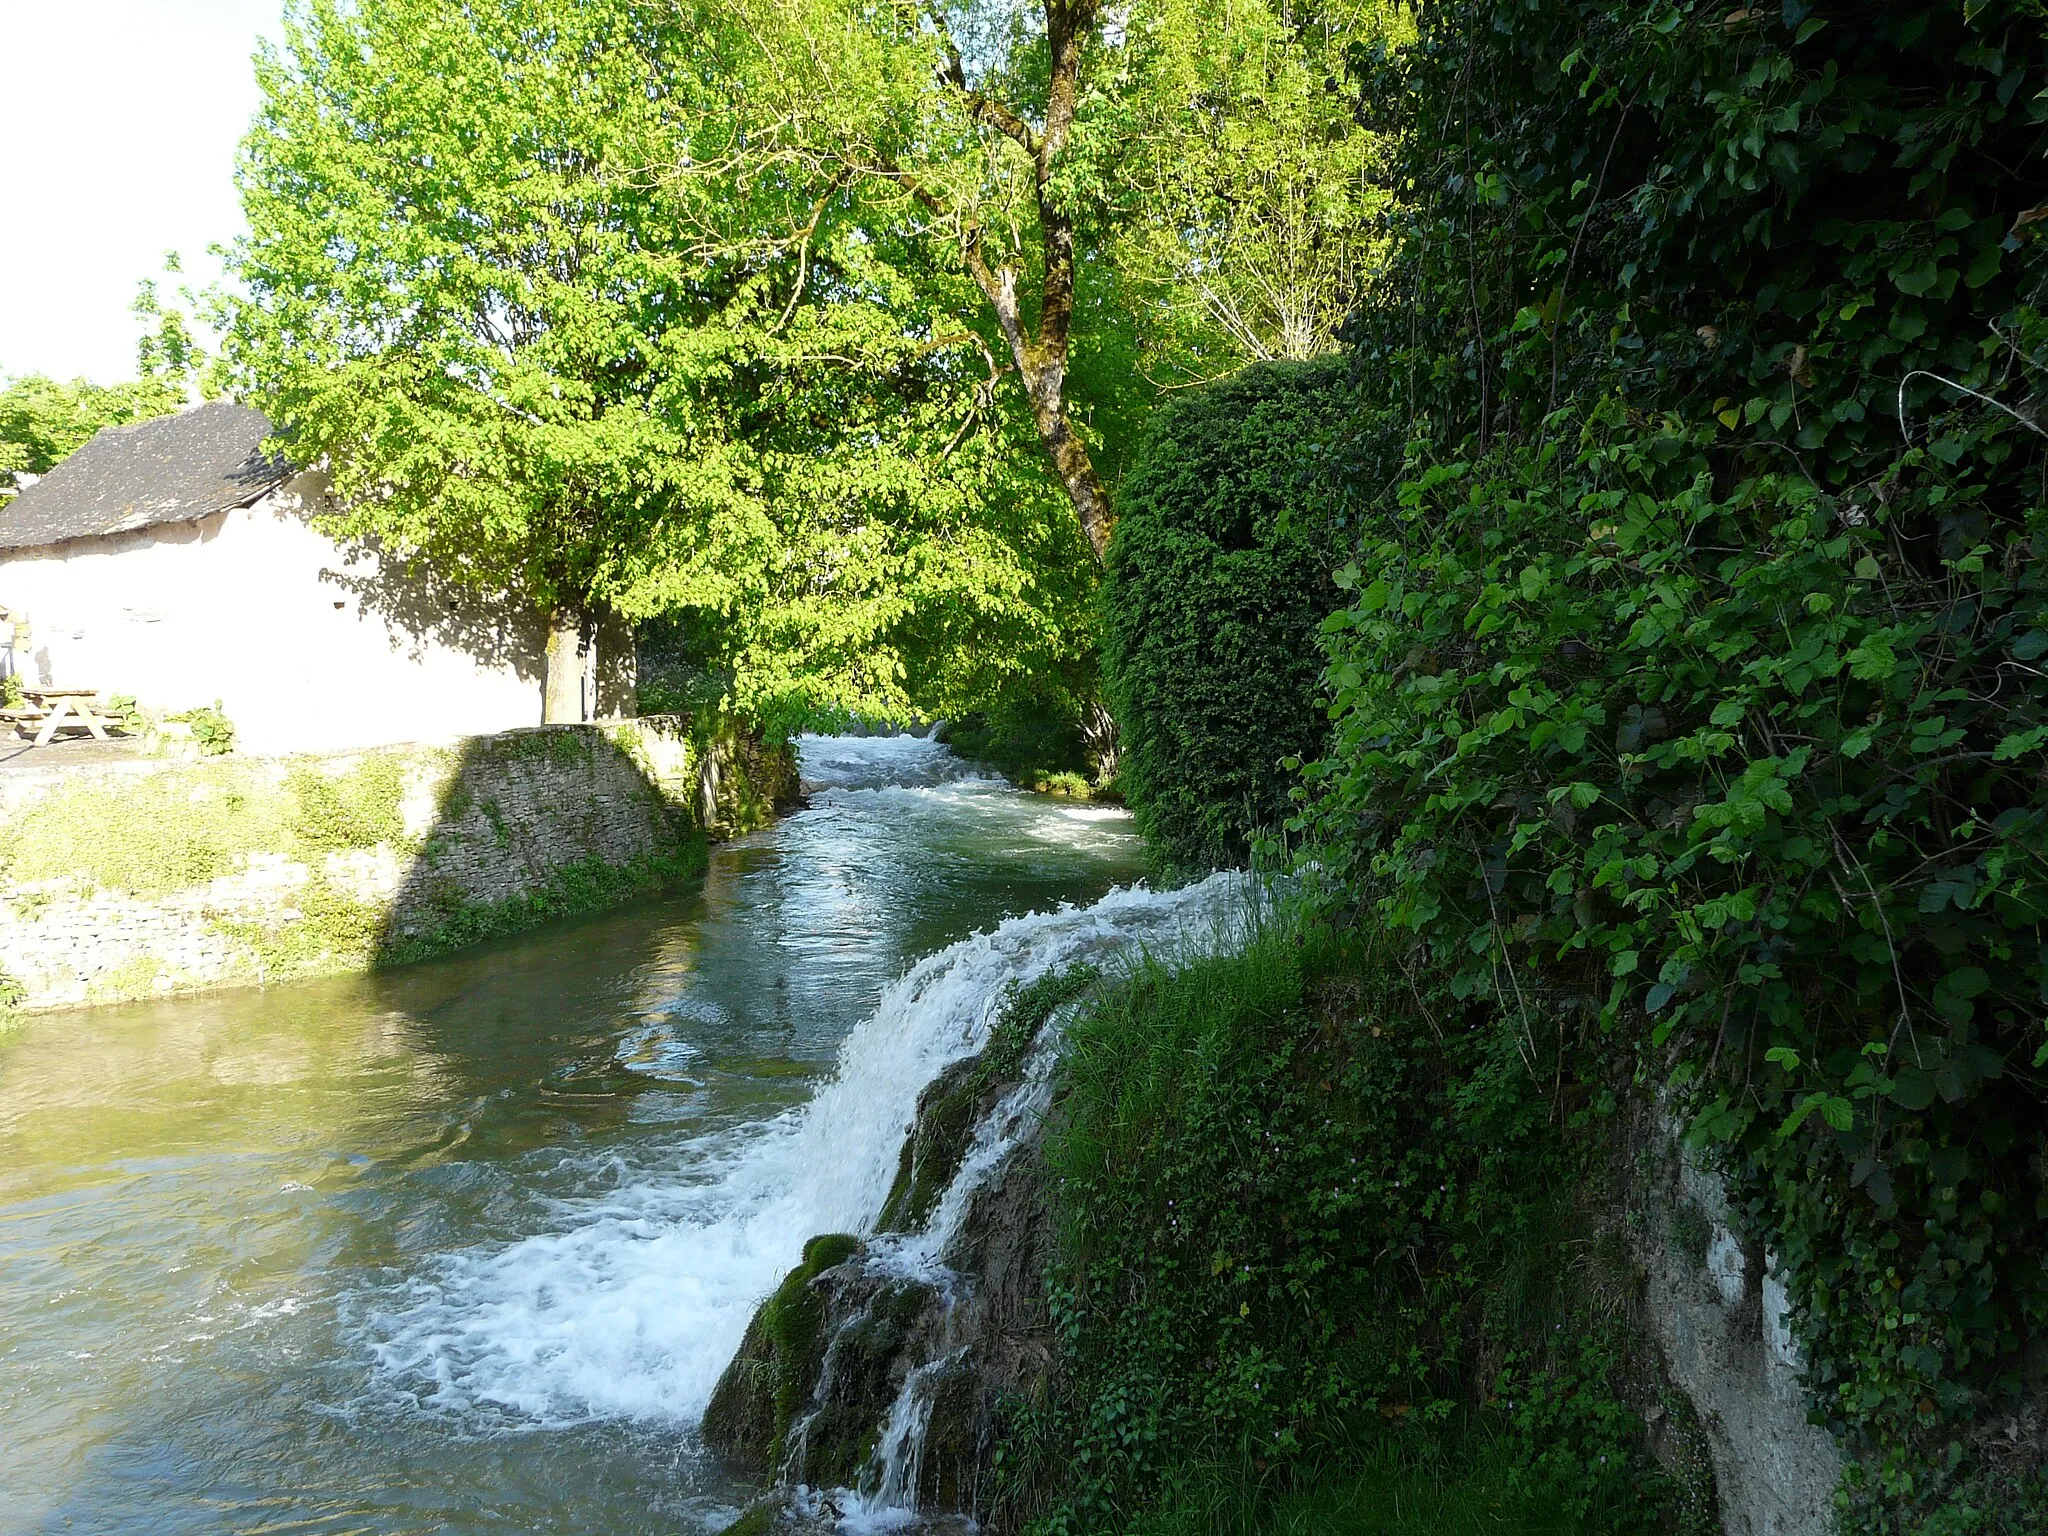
(143, 878)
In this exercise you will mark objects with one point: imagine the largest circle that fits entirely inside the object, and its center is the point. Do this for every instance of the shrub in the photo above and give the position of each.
(214, 731)
(1214, 584)
(1031, 730)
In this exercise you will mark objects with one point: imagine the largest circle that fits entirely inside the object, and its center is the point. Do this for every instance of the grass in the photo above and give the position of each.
(1389, 1492)
(1314, 1214)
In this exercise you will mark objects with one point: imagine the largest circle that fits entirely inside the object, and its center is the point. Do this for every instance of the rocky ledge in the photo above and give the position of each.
(880, 1372)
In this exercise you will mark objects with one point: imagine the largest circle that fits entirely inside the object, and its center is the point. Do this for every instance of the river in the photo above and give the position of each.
(462, 1247)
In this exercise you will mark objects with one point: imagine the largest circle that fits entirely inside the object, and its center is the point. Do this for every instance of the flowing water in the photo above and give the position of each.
(464, 1247)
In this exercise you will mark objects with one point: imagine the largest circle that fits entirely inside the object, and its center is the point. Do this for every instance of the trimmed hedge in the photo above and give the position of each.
(1216, 581)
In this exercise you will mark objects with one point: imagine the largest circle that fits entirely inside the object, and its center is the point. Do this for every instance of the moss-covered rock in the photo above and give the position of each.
(935, 1148)
(827, 1357)
(772, 1377)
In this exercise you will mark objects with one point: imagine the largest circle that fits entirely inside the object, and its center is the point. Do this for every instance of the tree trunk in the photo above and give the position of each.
(1046, 385)
(562, 700)
(1040, 357)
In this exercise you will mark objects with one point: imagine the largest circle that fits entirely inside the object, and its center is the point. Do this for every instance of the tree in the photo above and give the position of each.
(1257, 204)
(473, 291)
(457, 296)
(1028, 141)
(44, 421)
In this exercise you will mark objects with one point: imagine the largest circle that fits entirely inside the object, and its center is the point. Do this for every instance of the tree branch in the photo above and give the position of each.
(985, 109)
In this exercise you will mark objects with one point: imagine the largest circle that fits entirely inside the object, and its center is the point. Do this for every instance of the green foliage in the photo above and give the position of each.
(1303, 1229)
(1685, 690)
(566, 371)
(1394, 1490)
(1246, 201)
(11, 693)
(1214, 586)
(212, 729)
(1028, 732)
(43, 422)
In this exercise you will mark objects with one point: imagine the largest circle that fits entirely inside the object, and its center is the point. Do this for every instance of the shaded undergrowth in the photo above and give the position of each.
(1334, 1247)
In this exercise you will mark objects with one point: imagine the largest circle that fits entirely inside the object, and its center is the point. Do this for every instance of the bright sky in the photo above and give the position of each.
(118, 126)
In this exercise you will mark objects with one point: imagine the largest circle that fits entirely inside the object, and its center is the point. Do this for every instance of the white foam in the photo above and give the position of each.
(633, 1304)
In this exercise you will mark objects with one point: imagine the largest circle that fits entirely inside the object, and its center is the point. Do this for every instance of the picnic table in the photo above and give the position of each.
(57, 709)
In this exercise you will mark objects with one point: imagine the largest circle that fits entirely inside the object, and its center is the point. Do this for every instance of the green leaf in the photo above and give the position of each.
(2019, 744)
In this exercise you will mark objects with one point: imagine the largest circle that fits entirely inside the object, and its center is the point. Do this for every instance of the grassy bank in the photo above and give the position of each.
(1335, 1256)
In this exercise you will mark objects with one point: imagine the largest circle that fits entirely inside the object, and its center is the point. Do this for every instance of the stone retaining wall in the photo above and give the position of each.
(144, 877)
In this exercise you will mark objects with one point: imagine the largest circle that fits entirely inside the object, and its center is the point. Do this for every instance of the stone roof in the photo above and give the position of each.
(168, 470)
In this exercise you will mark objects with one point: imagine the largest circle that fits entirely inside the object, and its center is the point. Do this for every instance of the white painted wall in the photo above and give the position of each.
(254, 607)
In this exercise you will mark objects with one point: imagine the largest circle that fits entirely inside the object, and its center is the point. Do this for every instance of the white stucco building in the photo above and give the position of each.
(174, 561)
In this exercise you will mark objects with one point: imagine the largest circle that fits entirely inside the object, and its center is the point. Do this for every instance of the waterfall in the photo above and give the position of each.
(633, 1304)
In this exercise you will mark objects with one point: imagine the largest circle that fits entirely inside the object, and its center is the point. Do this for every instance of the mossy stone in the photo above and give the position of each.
(772, 1377)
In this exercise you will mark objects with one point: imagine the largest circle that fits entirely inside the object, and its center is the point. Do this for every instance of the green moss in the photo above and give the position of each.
(757, 1521)
(564, 745)
(132, 978)
(571, 891)
(148, 836)
(770, 1381)
(933, 1152)
(332, 931)
(949, 1108)
(795, 1326)
(358, 809)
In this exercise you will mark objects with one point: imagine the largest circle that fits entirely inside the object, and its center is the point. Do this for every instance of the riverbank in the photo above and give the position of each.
(463, 1245)
(146, 877)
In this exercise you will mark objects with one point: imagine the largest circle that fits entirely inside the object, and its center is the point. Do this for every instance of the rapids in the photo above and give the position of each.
(464, 1247)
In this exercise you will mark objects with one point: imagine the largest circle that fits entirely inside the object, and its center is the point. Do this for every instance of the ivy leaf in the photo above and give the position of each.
(1873, 662)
